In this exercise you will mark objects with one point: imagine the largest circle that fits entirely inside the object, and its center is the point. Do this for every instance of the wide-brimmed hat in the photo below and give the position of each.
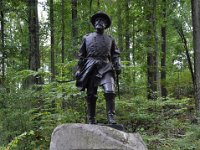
(103, 15)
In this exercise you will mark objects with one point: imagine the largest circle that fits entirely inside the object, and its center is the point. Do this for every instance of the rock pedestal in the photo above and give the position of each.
(85, 136)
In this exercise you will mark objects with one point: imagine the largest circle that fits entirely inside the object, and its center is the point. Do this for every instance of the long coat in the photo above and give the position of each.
(98, 55)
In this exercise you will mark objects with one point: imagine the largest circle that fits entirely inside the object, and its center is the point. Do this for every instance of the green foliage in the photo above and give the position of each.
(164, 123)
(179, 84)
(37, 110)
(13, 144)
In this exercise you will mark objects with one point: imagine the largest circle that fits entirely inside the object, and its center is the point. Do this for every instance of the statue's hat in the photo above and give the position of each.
(101, 15)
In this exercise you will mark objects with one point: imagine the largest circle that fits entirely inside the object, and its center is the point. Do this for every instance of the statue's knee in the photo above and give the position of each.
(92, 97)
(109, 88)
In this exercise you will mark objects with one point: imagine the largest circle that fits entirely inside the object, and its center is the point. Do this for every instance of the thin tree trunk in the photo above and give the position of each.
(2, 45)
(23, 40)
(133, 53)
(74, 23)
(196, 44)
(63, 32)
(127, 30)
(52, 40)
(34, 55)
(90, 11)
(90, 7)
(98, 4)
(133, 42)
(181, 34)
(163, 54)
(119, 26)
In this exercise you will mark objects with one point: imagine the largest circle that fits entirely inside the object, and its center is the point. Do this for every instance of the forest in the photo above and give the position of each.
(159, 42)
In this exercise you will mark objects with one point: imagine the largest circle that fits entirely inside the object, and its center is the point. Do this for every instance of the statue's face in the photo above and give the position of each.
(100, 24)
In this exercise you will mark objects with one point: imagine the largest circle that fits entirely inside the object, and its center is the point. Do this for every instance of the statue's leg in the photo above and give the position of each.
(91, 104)
(110, 102)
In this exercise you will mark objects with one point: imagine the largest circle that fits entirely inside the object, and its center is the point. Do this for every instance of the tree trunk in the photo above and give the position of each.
(119, 26)
(196, 44)
(151, 55)
(132, 54)
(164, 52)
(74, 24)
(34, 55)
(90, 11)
(52, 40)
(63, 33)
(133, 41)
(90, 7)
(157, 74)
(98, 5)
(2, 45)
(127, 30)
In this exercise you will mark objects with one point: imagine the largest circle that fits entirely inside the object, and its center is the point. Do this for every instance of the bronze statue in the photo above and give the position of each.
(99, 60)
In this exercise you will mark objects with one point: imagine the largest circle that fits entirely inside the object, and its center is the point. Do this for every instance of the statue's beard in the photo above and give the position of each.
(100, 30)
(100, 27)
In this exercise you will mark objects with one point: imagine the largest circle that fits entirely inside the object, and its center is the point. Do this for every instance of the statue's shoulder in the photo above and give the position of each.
(109, 37)
(85, 36)
(89, 35)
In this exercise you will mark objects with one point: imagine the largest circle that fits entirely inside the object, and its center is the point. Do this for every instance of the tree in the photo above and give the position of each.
(151, 53)
(52, 39)
(155, 45)
(163, 54)
(63, 33)
(2, 52)
(127, 29)
(196, 44)
(34, 54)
(74, 23)
(98, 4)
(119, 26)
(90, 12)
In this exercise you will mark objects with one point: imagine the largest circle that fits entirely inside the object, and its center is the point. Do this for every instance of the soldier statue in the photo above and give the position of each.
(99, 61)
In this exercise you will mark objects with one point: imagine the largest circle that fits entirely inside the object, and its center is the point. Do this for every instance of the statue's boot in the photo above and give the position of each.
(91, 109)
(110, 107)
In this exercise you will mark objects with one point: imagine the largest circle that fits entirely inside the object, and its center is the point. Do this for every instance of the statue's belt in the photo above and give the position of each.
(99, 58)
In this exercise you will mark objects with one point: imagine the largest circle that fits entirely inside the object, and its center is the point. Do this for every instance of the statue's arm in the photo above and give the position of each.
(115, 55)
(82, 55)
(81, 58)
